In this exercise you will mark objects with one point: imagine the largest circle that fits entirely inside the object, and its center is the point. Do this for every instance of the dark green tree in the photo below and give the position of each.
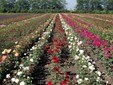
(95, 4)
(109, 4)
(10, 5)
(22, 5)
(31, 5)
(82, 5)
(87, 5)
(3, 5)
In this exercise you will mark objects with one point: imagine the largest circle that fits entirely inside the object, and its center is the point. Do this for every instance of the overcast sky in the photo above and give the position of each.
(71, 4)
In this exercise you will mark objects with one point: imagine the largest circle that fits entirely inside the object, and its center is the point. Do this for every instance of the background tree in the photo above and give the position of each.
(94, 5)
(3, 5)
(10, 5)
(31, 5)
(22, 5)
(89, 5)
(109, 4)
(82, 4)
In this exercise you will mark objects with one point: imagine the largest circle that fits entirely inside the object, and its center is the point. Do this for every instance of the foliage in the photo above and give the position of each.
(94, 6)
(31, 5)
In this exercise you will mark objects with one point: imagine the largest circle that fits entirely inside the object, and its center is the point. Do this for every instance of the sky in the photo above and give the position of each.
(71, 4)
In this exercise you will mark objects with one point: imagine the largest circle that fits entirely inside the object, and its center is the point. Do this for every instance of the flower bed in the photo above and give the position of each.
(6, 19)
(58, 56)
(11, 59)
(62, 52)
(22, 75)
(14, 32)
(84, 61)
(104, 32)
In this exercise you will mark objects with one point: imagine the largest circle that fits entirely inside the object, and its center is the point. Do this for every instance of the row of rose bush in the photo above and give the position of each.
(85, 65)
(57, 66)
(11, 19)
(62, 36)
(106, 18)
(93, 28)
(22, 75)
(10, 58)
(80, 20)
(98, 46)
(15, 32)
(105, 36)
(103, 29)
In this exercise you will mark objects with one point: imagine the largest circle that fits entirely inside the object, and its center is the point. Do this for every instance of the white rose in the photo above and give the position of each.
(81, 51)
(79, 43)
(83, 58)
(79, 81)
(89, 64)
(22, 83)
(77, 76)
(33, 47)
(8, 76)
(13, 79)
(98, 79)
(31, 60)
(91, 67)
(16, 80)
(94, 62)
(84, 66)
(71, 39)
(87, 58)
(86, 79)
(76, 57)
(19, 73)
(69, 46)
(26, 68)
(49, 36)
(107, 82)
(98, 72)
(75, 38)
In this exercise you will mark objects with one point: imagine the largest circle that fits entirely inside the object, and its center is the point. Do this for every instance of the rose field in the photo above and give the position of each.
(56, 49)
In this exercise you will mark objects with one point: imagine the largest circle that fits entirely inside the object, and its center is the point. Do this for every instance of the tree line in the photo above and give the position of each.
(32, 5)
(94, 5)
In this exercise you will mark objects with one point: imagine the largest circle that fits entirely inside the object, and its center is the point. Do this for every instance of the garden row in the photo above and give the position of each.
(55, 54)
(99, 49)
(103, 25)
(10, 58)
(22, 73)
(63, 53)
(6, 19)
(15, 32)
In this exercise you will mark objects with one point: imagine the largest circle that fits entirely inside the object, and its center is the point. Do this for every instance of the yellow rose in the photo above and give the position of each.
(16, 42)
(18, 46)
(16, 54)
(9, 50)
(5, 51)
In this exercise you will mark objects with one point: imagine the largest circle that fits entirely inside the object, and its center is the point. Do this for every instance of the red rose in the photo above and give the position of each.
(56, 69)
(50, 51)
(46, 47)
(66, 75)
(49, 83)
(55, 59)
(62, 83)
